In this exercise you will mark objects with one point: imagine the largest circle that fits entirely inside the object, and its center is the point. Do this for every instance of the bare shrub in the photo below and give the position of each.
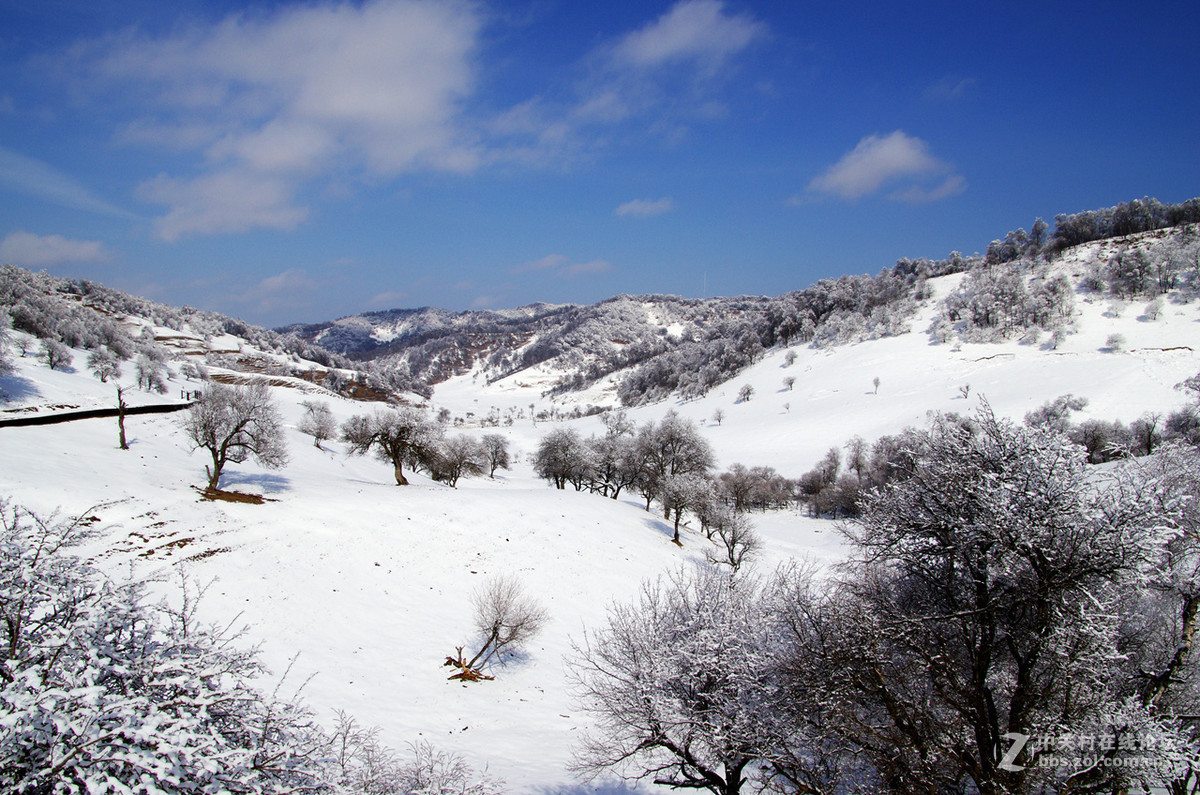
(505, 619)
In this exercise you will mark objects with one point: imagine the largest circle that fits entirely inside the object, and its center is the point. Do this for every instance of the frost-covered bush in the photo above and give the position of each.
(102, 692)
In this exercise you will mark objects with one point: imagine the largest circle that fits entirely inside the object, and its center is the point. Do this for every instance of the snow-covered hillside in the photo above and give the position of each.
(368, 585)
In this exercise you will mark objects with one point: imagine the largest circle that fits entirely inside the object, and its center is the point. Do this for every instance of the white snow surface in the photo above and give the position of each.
(367, 585)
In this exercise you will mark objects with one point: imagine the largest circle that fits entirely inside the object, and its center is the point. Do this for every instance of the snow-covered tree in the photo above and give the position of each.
(981, 603)
(150, 373)
(672, 446)
(234, 423)
(55, 354)
(683, 684)
(456, 456)
(6, 363)
(562, 457)
(398, 436)
(103, 364)
(318, 422)
(495, 451)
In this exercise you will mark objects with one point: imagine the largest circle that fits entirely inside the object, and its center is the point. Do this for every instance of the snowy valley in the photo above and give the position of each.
(360, 589)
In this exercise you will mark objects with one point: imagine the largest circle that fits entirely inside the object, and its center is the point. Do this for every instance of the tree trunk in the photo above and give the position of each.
(121, 417)
(400, 479)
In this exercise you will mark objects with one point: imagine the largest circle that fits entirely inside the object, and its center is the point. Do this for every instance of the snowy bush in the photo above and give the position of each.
(101, 692)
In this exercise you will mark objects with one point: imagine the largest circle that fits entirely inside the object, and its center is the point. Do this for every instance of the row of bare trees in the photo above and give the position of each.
(235, 423)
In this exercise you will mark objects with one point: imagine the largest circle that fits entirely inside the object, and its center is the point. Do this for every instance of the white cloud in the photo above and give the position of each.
(233, 201)
(660, 77)
(312, 89)
(690, 30)
(33, 251)
(645, 208)
(35, 178)
(879, 160)
(917, 194)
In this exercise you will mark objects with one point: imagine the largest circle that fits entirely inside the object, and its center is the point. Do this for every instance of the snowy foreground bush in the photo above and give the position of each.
(102, 692)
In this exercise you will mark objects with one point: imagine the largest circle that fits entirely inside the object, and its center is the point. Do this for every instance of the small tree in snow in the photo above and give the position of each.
(505, 619)
(318, 422)
(104, 365)
(789, 358)
(718, 416)
(789, 382)
(234, 424)
(875, 383)
(495, 451)
(455, 457)
(56, 355)
(150, 374)
(737, 542)
(745, 393)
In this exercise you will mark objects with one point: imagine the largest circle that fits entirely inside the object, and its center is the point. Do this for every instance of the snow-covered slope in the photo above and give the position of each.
(370, 584)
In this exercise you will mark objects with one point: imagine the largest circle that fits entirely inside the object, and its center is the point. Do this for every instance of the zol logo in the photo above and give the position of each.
(1019, 740)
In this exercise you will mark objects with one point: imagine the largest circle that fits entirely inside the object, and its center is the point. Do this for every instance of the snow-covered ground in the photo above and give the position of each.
(368, 585)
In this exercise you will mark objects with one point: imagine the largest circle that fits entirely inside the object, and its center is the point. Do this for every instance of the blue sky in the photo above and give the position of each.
(292, 162)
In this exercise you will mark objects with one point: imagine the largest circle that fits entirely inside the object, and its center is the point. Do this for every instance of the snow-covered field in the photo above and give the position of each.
(368, 585)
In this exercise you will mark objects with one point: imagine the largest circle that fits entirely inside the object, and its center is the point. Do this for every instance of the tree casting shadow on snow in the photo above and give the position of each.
(270, 484)
(15, 387)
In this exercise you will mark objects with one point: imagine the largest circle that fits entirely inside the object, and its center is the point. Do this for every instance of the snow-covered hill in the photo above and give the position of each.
(368, 585)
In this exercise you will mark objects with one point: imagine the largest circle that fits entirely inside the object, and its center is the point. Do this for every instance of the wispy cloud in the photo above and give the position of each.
(388, 299)
(585, 269)
(645, 208)
(654, 80)
(35, 178)
(692, 30)
(562, 267)
(548, 262)
(950, 88)
(887, 160)
(35, 251)
(291, 289)
(270, 102)
(231, 201)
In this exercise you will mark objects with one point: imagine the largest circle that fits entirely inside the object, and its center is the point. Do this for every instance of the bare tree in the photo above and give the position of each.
(505, 619)
(234, 424)
(789, 382)
(745, 393)
(317, 422)
(495, 450)
(455, 457)
(55, 354)
(121, 406)
(718, 416)
(875, 383)
(400, 437)
(737, 542)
